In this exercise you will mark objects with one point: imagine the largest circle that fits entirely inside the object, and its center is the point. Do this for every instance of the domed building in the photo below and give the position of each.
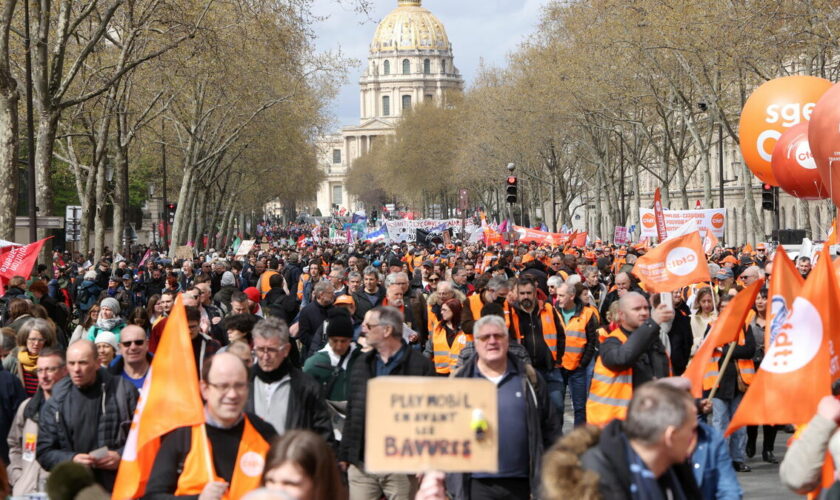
(410, 61)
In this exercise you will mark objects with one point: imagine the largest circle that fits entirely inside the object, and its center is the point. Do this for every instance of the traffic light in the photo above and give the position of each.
(170, 212)
(511, 189)
(769, 197)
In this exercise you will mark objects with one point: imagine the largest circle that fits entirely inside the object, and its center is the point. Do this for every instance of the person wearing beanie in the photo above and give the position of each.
(116, 291)
(254, 299)
(106, 348)
(108, 320)
(331, 365)
(228, 286)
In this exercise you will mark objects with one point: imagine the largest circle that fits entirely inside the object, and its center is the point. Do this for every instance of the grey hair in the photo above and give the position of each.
(497, 283)
(322, 287)
(490, 319)
(353, 274)
(554, 281)
(390, 279)
(654, 408)
(391, 316)
(370, 270)
(272, 328)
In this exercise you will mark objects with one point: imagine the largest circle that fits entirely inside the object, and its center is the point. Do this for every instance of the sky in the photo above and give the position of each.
(479, 30)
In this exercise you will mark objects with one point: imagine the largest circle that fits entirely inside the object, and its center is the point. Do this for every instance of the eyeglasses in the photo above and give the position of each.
(268, 350)
(369, 326)
(128, 343)
(49, 369)
(36, 339)
(433, 280)
(495, 336)
(225, 388)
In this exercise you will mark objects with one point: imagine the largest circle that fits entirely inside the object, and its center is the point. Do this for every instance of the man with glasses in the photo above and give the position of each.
(751, 274)
(88, 417)
(25, 473)
(203, 345)
(239, 441)
(281, 393)
(391, 355)
(134, 360)
(528, 421)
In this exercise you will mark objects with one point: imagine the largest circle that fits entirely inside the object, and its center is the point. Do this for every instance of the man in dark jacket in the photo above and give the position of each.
(277, 302)
(11, 396)
(312, 316)
(647, 453)
(371, 294)
(528, 421)
(89, 411)
(280, 393)
(391, 355)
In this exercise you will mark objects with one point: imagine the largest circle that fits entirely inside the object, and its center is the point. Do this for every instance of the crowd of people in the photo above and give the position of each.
(286, 338)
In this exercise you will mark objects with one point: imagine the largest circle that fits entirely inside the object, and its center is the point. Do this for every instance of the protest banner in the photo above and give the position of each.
(621, 236)
(265, 247)
(711, 218)
(416, 424)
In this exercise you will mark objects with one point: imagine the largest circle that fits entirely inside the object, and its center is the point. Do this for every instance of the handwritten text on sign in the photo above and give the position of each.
(415, 424)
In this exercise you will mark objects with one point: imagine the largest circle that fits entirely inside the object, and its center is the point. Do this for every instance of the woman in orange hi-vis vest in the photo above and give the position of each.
(732, 385)
(447, 339)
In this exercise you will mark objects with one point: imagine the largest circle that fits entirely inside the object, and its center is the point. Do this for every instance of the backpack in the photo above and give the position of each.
(84, 299)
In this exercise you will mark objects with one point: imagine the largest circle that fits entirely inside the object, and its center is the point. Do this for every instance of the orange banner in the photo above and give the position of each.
(673, 264)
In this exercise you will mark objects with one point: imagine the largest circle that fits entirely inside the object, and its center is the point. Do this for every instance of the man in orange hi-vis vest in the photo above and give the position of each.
(631, 355)
(235, 445)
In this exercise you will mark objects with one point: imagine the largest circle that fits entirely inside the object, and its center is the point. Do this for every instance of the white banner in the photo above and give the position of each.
(621, 237)
(713, 219)
(245, 247)
(406, 230)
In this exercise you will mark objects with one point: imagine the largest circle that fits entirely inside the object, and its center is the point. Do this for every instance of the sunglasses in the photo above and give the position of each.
(128, 343)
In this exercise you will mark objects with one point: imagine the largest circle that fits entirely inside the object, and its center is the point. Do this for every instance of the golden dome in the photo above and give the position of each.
(409, 27)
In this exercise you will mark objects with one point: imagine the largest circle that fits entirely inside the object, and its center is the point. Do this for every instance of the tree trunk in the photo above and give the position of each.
(120, 240)
(749, 204)
(180, 211)
(8, 152)
(44, 143)
(99, 215)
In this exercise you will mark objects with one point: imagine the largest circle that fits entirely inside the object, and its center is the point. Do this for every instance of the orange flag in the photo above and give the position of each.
(801, 364)
(170, 398)
(832, 235)
(785, 285)
(747, 248)
(673, 264)
(710, 242)
(726, 329)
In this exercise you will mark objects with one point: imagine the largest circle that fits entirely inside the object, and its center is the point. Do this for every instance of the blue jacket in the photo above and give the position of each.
(712, 466)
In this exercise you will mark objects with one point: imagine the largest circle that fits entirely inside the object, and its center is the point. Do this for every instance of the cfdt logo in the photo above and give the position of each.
(681, 261)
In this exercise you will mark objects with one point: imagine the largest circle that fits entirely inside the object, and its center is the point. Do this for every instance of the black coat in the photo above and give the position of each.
(311, 317)
(608, 459)
(728, 386)
(643, 352)
(544, 425)
(11, 396)
(279, 304)
(352, 448)
(306, 408)
(681, 338)
(363, 305)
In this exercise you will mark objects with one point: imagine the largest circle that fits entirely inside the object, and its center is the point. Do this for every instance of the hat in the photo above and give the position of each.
(253, 294)
(111, 303)
(395, 262)
(106, 338)
(724, 273)
(761, 246)
(729, 260)
(344, 299)
(90, 275)
(339, 323)
(428, 263)
(114, 278)
(228, 279)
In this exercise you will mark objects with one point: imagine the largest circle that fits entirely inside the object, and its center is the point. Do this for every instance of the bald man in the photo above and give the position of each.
(87, 418)
(239, 440)
(631, 355)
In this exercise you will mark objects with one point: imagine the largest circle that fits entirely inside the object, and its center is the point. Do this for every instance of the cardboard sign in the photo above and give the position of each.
(621, 236)
(245, 247)
(265, 247)
(415, 424)
(184, 252)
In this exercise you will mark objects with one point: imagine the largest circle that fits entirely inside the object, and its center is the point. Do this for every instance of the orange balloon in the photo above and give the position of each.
(794, 165)
(824, 137)
(771, 109)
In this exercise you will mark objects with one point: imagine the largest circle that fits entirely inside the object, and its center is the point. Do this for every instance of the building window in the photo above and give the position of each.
(406, 102)
(386, 105)
(406, 67)
(336, 156)
(429, 97)
(386, 67)
(336, 194)
(427, 66)
(443, 65)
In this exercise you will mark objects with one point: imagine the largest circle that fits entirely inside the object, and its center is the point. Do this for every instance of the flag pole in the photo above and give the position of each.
(721, 369)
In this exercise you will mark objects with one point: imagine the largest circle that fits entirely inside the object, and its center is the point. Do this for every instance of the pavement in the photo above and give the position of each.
(762, 483)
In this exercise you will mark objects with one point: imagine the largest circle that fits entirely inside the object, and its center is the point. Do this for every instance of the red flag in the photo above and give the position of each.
(675, 263)
(579, 240)
(801, 364)
(170, 398)
(18, 261)
(726, 329)
(785, 285)
(659, 214)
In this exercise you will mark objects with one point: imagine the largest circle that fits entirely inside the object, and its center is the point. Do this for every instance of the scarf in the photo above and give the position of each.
(274, 375)
(108, 324)
(27, 361)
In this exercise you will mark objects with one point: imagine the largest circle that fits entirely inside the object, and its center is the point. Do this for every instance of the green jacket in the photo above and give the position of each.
(320, 367)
